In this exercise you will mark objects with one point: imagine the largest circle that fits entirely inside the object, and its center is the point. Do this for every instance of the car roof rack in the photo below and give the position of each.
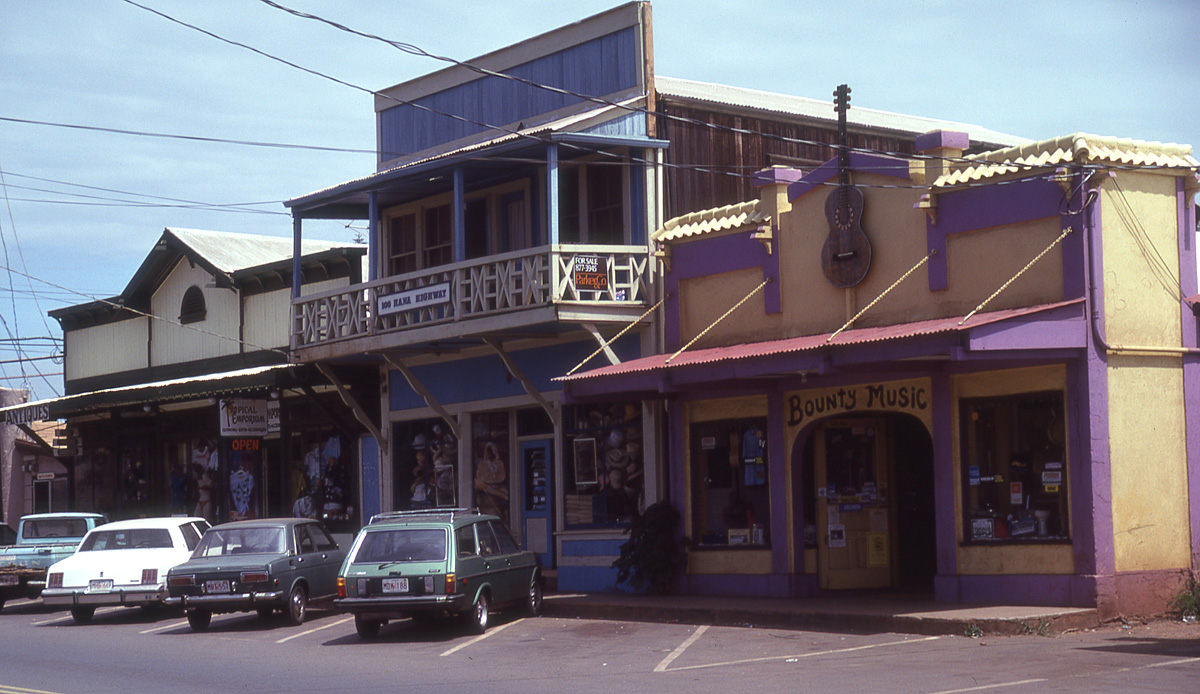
(423, 514)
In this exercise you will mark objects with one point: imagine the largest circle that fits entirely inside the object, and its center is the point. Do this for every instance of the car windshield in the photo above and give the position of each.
(134, 538)
(220, 542)
(54, 527)
(403, 544)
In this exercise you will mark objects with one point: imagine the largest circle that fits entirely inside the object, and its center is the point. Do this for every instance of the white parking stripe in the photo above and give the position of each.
(164, 627)
(477, 639)
(801, 655)
(681, 648)
(990, 686)
(314, 630)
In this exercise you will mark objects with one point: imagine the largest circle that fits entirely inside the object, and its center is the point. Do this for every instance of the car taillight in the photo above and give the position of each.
(451, 587)
(341, 587)
(149, 576)
(54, 581)
(255, 577)
(181, 580)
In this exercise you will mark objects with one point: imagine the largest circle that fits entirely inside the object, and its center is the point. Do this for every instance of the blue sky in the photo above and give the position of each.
(1038, 69)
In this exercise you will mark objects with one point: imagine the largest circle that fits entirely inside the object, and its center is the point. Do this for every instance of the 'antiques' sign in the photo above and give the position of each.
(28, 414)
(421, 297)
(243, 417)
(591, 273)
(896, 396)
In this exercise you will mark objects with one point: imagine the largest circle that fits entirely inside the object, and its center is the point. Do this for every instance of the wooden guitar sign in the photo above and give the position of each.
(846, 256)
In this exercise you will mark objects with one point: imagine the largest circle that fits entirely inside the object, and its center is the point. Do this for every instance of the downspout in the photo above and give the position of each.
(1098, 330)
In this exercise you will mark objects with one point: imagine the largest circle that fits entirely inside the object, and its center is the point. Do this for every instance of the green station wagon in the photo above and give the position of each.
(433, 563)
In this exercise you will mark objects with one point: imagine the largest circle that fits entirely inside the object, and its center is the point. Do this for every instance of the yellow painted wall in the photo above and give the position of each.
(1148, 463)
(1147, 429)
(748, 561)
(1006, 559)
(978, 263)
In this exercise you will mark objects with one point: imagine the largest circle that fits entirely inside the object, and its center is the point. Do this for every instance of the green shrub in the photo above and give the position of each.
(1187, 602)
(654, 552)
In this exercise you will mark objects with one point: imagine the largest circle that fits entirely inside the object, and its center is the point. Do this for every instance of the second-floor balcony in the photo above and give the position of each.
(510, 292)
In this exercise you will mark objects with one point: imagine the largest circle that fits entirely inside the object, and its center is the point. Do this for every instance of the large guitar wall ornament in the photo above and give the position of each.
(846, 256)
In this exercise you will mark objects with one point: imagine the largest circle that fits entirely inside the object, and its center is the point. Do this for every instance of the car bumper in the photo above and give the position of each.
(121, 596)
(397, 607)
(232, 602)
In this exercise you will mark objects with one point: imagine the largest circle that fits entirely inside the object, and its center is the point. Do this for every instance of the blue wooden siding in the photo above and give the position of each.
(484, 378)
(596, 68)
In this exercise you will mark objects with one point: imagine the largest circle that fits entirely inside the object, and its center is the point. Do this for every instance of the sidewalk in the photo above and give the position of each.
(861, 614)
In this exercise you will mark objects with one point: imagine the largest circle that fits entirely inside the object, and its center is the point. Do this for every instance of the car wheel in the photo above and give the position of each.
(265, 612)
(199, 620)
(533, 602)
(83, 615)
(366, 628)
(477, 618)
(297, 606)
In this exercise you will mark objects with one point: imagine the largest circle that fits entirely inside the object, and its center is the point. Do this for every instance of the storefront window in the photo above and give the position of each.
(604, 466)
(426, 456)
(729, 463)
(245, 477)
(489, 451)
(1014, 468)
(322, 481)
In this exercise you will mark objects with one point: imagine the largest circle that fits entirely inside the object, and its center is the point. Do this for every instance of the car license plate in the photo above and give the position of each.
(216, 586)
(395, 585)
(8, 580)
(100, 585)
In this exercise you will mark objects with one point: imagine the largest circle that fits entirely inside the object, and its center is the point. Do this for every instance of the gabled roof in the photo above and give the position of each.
(816, 109)
(1078, 148)
(223, 254)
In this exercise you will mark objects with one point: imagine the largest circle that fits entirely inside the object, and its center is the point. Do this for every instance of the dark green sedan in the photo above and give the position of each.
(426, 564)
(257, 565)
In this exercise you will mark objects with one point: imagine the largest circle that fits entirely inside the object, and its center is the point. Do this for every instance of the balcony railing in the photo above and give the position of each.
(575, 274)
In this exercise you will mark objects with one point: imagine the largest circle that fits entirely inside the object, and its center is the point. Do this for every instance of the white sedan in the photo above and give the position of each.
(122, 563)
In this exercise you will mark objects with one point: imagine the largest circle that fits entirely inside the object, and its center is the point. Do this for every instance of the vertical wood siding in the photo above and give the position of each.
(711, 167)
(171, 343)
(268, 316)
(105, 349)
(595, 68)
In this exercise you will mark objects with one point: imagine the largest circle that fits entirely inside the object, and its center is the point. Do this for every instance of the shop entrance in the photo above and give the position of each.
(873, 479)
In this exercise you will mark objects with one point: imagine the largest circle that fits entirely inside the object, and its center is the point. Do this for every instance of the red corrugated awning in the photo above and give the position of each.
(856, 336)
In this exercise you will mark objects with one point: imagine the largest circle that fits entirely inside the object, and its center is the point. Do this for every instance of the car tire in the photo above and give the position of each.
(533, 601)
(297, 606)
(477, 618)
(366, 628)
(199, 620)
(1, 604)
(83, 615)
(265, 612)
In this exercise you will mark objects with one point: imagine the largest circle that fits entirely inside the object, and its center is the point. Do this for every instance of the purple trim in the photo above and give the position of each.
(1064, 590)
(713, 256)
(1061, 328)
(859, 163)
(776, 175)
(778, 457)
(1090, 463)
(676, 456)
(1186, 224)
(796, 463)
(967, 210)
(939, 139)
(945, 518)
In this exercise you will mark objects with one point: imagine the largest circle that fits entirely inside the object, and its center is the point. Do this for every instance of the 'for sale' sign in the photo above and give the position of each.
(591, 273)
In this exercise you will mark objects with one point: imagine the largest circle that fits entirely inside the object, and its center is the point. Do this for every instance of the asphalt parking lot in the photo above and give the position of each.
(127, 647)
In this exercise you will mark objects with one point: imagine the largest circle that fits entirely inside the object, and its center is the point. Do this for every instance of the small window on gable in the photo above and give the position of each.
(192, 309)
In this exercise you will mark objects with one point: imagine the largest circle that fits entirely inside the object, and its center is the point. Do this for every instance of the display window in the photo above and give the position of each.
(322, 483)
(491, 477)
(426, 457)
(604, 469)
(1014, 468)
(731, 489)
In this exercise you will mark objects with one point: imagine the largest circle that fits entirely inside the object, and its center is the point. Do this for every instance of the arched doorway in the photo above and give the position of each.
(868, 496)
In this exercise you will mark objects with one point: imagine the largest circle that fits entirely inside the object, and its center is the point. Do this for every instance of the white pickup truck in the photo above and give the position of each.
(42, 539)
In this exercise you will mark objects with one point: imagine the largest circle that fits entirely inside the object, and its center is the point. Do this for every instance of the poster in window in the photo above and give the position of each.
(586, 471)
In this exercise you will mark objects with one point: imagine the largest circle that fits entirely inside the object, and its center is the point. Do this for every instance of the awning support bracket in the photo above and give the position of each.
(359, 413)
(877, 299)
(604, 347)
(420, 389)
